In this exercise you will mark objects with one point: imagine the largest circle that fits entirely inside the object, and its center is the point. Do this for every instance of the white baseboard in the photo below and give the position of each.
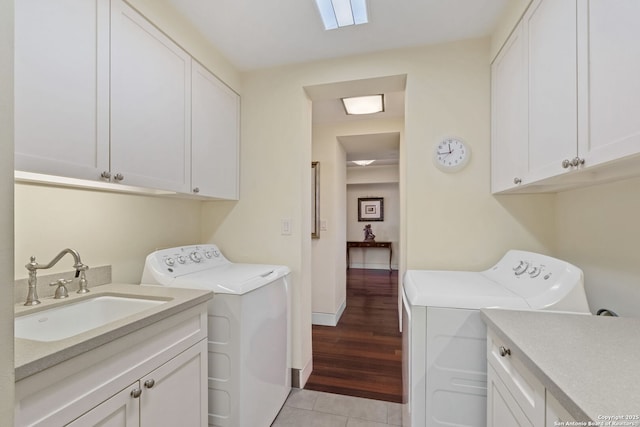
(328, 319)
(300, 377)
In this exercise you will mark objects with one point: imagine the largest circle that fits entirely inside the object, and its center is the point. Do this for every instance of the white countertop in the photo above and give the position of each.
(32, 357)
(591, 364)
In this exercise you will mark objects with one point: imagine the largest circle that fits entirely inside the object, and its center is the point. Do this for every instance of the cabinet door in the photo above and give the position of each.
(121, 410)
(215, 136)
(551, 45)
(508, 114)
(502, 409)
(62, 87)
(609, 84)
(556, 415)
(150, 104)
(175, 394)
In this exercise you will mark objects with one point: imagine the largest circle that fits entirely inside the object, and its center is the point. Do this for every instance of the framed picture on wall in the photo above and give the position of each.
(370, 208)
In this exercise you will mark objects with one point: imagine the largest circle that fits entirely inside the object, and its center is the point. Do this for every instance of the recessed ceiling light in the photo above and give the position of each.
(342, 13)
(364, 104)
(363, 162)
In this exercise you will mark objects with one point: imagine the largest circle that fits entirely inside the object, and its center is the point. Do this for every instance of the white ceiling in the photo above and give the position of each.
(255, 34)
(261, 33)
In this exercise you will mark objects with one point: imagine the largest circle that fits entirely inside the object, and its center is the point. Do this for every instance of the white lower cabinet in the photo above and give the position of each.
(515, 397)
(156, 376)
(117, 411)
(556, 414)
(157, 399)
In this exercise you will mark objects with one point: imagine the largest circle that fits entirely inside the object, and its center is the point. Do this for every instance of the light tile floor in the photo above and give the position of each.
(308, 408)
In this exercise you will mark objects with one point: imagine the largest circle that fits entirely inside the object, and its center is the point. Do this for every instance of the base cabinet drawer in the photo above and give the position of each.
(511, 383)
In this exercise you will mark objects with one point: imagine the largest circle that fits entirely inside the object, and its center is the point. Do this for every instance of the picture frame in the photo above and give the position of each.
(370, 209)
(315, 200)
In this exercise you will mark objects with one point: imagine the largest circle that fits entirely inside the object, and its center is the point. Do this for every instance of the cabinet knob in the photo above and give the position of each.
(118, 177)
(577, 161)
(149, 383)
(105, 175)
(566, 163)
(505, 351)
(517, 180)
(135, 393)
(196, 190)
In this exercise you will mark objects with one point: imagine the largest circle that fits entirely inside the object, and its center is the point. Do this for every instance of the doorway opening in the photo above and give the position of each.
(357, 345)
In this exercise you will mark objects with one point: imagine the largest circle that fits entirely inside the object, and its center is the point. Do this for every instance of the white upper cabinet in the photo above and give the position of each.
(581, 68)
(215, 124)
(62, 87)
(150, 104)
(509, 114)
(609, 86)
(551, 45)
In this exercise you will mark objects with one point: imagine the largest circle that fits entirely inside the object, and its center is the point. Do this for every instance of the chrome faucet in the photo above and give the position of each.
(33, 266)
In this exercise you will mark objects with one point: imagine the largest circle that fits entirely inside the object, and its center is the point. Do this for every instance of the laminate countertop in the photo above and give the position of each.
(591, 364)
(32, 357)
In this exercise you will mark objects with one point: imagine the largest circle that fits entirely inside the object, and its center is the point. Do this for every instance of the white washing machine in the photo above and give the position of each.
(249, 330)
(444, 338)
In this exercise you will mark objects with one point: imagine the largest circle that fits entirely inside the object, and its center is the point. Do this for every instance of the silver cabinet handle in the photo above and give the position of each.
(118, 177)
(196, 190)
(105, 175)
(566, 163)
(135, 393)
(149, 383)
(517, 180)
(504, 351)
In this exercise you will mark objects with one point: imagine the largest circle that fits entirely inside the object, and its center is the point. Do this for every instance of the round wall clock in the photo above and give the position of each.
(451, 154)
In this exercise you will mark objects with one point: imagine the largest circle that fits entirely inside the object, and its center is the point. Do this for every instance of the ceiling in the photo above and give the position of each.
(254, 34)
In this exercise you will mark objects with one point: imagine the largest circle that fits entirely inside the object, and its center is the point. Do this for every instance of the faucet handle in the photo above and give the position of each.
(61, 291)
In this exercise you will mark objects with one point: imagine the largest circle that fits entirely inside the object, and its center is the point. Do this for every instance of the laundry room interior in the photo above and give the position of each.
(434, 219)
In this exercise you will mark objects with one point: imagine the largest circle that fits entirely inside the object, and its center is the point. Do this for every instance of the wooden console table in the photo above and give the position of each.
(374, 244)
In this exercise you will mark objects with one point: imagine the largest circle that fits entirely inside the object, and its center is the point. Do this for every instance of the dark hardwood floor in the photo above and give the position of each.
(362, 355)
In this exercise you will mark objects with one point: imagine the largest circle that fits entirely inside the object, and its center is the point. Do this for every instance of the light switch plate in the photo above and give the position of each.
(285, 227)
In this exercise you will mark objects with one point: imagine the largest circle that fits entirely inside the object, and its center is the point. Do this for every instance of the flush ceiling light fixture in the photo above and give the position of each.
(364, 104)
(363, 162)
(342, 13)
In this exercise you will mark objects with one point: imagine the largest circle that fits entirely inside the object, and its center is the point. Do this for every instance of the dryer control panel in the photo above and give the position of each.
(182, 260)
(542, 280)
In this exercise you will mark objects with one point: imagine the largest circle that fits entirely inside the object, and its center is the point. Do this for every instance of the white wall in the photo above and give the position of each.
(328, 252)
(6, 212)
(385, 231)
(451, 220)
(598, 231)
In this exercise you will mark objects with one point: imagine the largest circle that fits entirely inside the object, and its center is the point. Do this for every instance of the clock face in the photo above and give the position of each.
(451, 154)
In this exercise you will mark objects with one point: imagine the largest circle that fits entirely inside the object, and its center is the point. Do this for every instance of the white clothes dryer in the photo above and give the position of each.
(444, 338)
(249, 330)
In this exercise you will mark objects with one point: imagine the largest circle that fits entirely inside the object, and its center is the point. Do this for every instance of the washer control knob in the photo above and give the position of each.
(521, 268)
(181, 259)
(170, 261)
(208, 253)
(195, 256)
(535, 272)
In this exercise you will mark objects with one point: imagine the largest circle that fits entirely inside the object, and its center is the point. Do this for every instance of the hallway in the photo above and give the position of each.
(362, 355)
